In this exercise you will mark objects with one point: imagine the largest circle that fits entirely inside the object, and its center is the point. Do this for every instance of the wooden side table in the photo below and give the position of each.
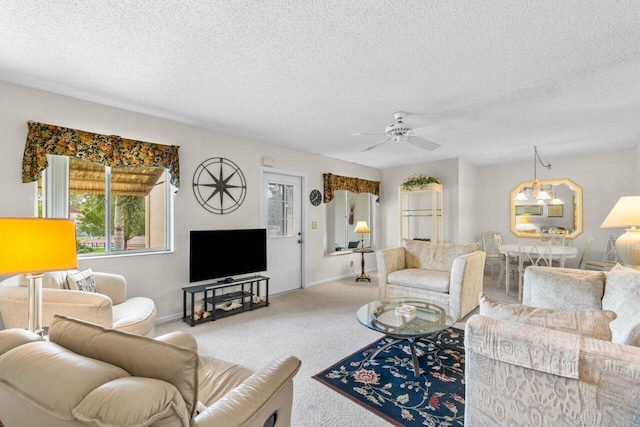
(363, 251)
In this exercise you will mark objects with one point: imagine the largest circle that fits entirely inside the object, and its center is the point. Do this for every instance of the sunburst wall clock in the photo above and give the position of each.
(219, 185)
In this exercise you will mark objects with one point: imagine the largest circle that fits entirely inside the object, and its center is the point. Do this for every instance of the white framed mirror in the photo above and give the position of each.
(560, 213)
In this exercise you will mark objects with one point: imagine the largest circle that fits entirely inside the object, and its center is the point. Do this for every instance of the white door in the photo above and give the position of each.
(284, 231)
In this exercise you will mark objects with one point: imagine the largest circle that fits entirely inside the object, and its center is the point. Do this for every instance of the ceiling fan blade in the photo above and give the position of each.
(423, 143)
(360, 134)
(427, 130)
(375, 145)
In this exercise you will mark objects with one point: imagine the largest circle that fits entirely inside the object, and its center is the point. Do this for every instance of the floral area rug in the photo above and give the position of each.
(388, 387)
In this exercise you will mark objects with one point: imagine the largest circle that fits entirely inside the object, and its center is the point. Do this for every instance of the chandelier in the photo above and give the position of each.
(537, 189)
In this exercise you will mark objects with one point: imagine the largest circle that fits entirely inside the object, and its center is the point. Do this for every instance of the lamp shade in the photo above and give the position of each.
(521, 196)
(36, 245)
(556, 201)
(543, 195)
(625, 213)
(361, 227)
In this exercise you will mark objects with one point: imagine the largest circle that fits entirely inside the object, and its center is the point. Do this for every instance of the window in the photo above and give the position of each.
(115, 210)
(280, 210)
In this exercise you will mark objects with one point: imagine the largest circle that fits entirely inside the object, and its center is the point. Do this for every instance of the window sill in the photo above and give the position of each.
(124, 254)
(346, 252)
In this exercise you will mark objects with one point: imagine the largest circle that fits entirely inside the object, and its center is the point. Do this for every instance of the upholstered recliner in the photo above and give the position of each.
(89, 375)
(108, 306)
(447, 274)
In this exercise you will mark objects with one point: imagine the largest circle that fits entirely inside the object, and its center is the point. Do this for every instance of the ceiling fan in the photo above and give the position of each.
(401, 132)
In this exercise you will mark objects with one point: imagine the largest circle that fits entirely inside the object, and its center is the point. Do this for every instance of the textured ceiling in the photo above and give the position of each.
(505, 75)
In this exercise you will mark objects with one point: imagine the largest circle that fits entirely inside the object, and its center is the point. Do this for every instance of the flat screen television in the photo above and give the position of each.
(219, 254)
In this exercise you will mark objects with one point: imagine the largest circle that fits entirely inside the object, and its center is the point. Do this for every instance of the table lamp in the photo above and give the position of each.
(34, 246)
(362, 228)
(626, 213)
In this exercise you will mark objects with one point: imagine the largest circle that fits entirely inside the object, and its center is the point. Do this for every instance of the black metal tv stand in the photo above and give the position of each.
(216, 295)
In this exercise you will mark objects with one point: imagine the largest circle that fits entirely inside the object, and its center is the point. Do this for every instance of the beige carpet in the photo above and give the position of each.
(317, 325)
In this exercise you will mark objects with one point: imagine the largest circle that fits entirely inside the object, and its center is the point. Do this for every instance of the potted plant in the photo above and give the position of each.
(418, 181)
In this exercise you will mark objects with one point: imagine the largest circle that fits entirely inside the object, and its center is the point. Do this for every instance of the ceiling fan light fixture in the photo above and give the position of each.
(400, 138)
(400, 132)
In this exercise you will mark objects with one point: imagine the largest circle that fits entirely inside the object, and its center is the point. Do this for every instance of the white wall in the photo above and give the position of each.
(467, 202)
(162, 276)
(604, 177)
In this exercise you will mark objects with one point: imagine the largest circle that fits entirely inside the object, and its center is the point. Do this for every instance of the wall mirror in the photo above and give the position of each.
(342, 215)
(557, 209)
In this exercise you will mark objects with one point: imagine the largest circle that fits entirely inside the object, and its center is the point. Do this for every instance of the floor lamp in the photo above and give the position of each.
(626, 213)
(362, 228)
(33, 246)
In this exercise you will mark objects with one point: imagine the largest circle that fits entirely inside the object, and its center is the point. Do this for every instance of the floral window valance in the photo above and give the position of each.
(107, 150)
(355, 185)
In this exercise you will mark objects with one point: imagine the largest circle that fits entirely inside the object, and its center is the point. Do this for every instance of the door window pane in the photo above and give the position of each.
(280, 206)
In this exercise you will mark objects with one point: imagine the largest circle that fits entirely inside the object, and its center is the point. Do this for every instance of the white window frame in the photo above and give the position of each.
(55, 204)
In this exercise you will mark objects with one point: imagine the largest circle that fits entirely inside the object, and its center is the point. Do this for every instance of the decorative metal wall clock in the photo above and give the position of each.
(219, 185)
(315, 197)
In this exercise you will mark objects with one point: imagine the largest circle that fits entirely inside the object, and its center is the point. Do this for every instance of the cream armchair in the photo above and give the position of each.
(447, 274)
(89, 375)
(108, 306)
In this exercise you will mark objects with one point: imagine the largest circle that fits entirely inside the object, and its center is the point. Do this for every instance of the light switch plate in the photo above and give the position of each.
(314, 225)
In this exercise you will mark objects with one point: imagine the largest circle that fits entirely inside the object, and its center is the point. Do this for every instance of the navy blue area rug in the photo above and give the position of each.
(388, 387)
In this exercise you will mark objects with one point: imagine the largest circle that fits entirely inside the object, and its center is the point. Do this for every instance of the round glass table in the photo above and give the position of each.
(407, 319)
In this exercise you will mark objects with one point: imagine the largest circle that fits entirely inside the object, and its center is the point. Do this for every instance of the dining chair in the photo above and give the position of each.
(555, 239)
(491, 242)
(585, 254)
(609, 258)
(532, 252)
(513, 267)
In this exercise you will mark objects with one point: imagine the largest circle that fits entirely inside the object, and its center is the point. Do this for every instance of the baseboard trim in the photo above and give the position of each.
(176, 316)
(169, 318)
(344, 276)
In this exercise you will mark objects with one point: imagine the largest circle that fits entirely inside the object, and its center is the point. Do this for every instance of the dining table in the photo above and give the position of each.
(509, 250)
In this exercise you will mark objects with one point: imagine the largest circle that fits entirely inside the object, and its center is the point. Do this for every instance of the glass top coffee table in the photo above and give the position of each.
(407, 319)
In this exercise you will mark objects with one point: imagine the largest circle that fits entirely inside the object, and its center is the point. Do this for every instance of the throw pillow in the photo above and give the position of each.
(50, 280)
(562, 288)
(446, 253)
(418, 253)
(626, 328)
(82, 281)
(621, 282)
(588, 323)
(434, 256)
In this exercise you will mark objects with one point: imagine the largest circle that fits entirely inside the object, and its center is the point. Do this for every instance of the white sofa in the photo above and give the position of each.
(447, 274)
(569, 358)
(89, 375)
(108, 306)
